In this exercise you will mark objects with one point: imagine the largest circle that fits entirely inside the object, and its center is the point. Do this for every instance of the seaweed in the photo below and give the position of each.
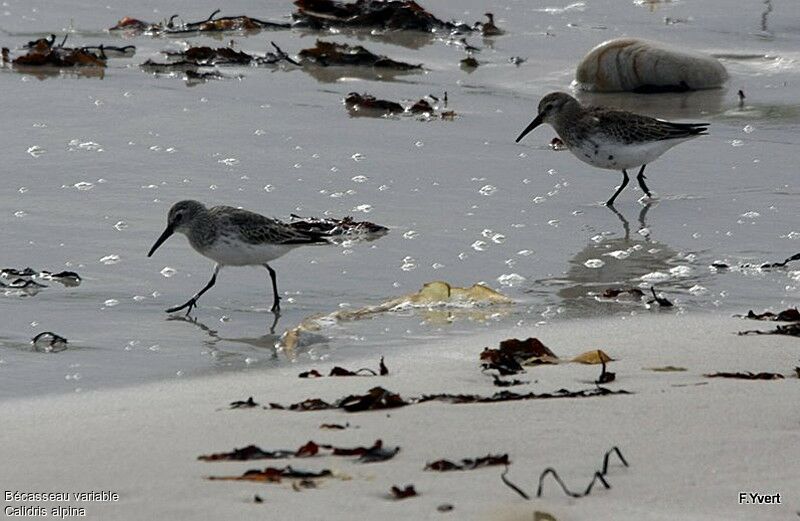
(444, 465)
(274, 475)
(212, 24)
(747, 376)
(403, 493)
(388, 15)
(330, 54)
(44, 52)
(598, 476)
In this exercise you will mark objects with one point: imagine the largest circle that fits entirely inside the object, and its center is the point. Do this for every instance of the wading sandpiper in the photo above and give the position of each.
(233, 237)
(611, 139)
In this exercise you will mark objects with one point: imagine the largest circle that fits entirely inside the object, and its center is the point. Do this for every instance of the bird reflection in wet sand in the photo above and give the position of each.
(263, 342)
(619, 262)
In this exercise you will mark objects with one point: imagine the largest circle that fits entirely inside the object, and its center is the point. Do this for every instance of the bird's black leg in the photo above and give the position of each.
(192, 302)
(640, 177)
(276, 299)
(610, 202)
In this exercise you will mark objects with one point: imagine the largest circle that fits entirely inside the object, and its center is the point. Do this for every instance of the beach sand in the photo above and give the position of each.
(693, 443)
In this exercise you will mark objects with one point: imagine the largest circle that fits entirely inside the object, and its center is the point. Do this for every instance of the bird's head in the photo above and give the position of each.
(179, 219)
(550, 107)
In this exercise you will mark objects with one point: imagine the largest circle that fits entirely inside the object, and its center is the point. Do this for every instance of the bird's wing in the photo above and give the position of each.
(629, 127)
(257, 229)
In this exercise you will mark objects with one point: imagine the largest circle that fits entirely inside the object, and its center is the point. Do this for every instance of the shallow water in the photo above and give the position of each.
(92, 164)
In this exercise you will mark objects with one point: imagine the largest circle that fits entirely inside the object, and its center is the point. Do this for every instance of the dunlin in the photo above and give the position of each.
(233, 237)
(611, 139)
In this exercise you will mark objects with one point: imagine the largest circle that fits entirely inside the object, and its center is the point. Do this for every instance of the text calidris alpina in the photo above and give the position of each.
(611, 139)
(233, 237)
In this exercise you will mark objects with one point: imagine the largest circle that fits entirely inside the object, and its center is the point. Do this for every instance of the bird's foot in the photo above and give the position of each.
(648, 197)
(276, 306)
(190, 304)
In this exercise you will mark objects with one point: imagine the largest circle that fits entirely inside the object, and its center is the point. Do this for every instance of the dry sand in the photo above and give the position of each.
(693, 443)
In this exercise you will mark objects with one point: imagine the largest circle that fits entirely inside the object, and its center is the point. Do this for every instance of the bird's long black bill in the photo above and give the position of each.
(164, 236)
(535, 123)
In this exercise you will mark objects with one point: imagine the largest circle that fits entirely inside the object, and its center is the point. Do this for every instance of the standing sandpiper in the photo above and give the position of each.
(611, 139)
(233, 237)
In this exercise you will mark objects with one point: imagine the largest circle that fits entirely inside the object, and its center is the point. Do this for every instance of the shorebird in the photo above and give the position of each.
(611, 139)
(233, 237)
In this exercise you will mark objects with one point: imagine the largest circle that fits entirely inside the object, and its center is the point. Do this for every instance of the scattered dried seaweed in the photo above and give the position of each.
(341, 371)
(243, 404)
(209, 25)
(508, 396)
(389, 15)
(787, 315)
(788, 330)
(331, 54)
(379, 398)
(274, 475)
(403, 493)
(49, 342)
(444, 465)
(747, 376)
(375, 453)
(598, 476)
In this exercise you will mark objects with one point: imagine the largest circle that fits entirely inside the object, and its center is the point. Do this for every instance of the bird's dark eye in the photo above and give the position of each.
(178, 217)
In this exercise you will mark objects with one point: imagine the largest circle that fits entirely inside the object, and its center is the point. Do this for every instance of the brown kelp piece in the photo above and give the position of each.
(375, 399)
(403, 493)
(393, 15)
(512, 352)
(787, 315)
(335, 426)
(212, 24)
(330, 54)
(44, 52)
(341, 371)
(347, 227)
(616, 292)
(244, 404)
(274, 475)
(794, 257)
(444, 465)
(747, 376)
(208, 56)
(365, 104)
(792, 329)
(250, 452)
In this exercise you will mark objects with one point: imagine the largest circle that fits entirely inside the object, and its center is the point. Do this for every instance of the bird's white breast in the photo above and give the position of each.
(619, 156)
(229, 251)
